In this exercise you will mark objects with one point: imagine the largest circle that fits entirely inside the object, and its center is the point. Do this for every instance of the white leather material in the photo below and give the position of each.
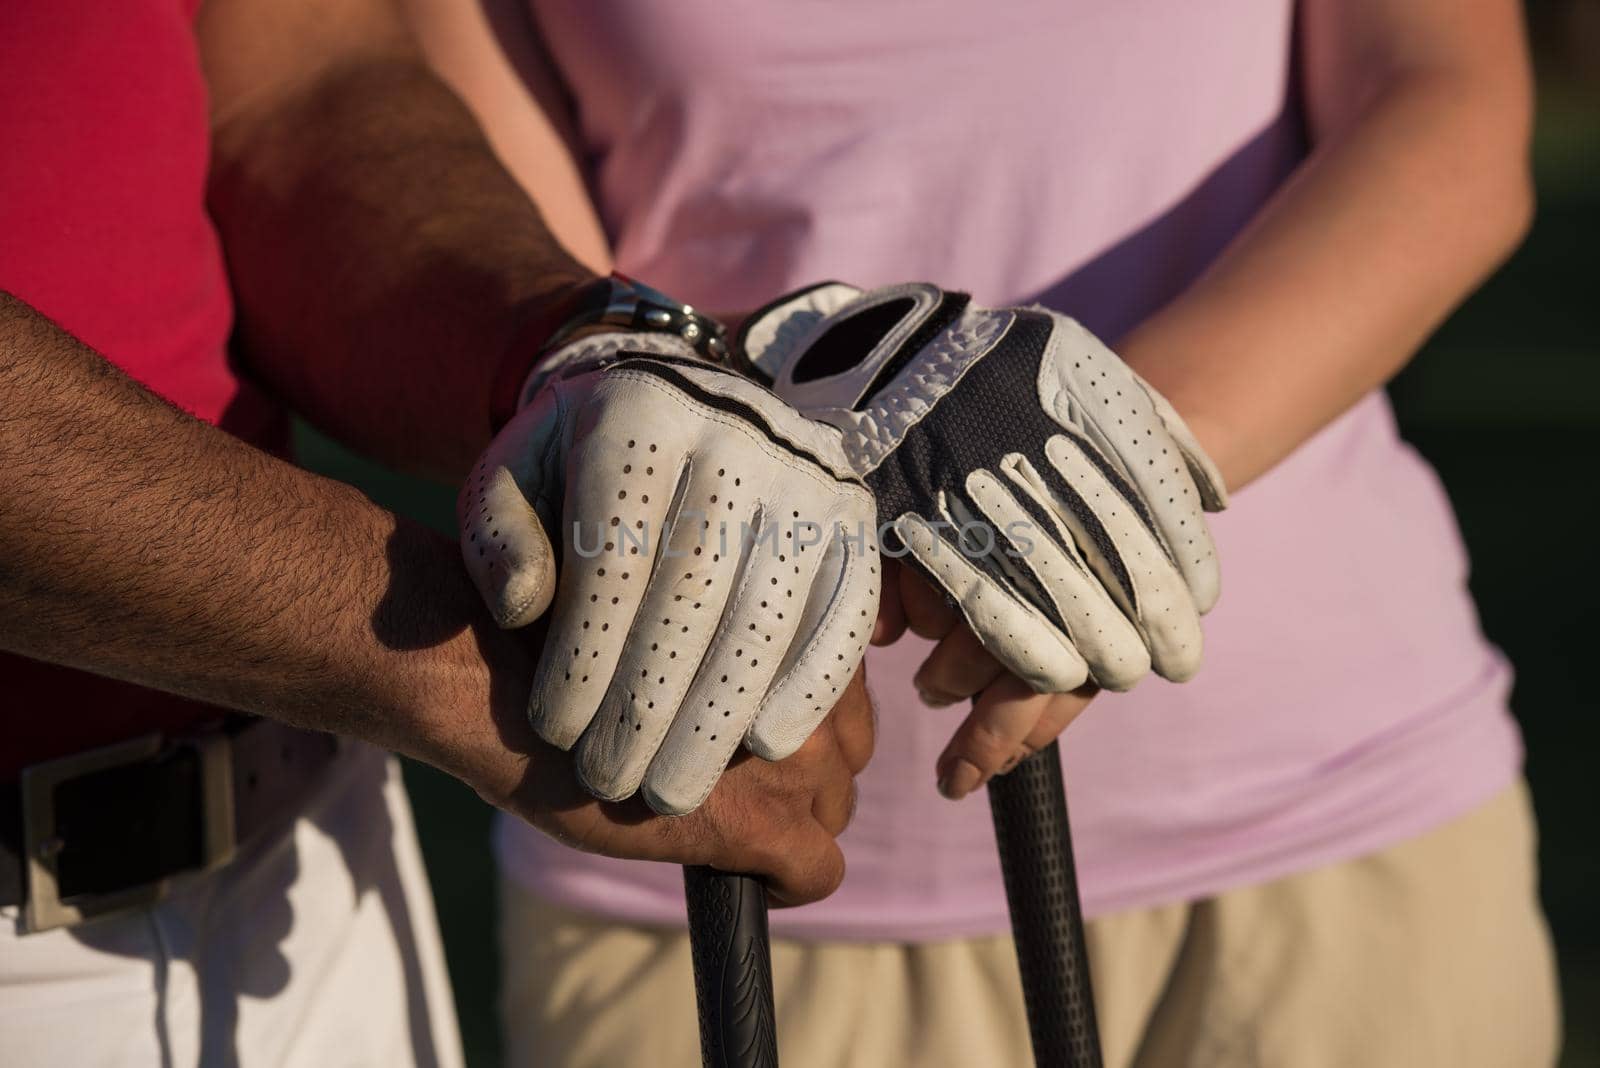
(1160, 606)
(878, 429)
(1083, 384)
(1100, 630)
(786, 328)
(705, 597)
(1093, 497)
(592, 351)
(1015, 631)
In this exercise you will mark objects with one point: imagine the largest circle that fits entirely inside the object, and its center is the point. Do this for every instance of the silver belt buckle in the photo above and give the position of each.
(43, 906)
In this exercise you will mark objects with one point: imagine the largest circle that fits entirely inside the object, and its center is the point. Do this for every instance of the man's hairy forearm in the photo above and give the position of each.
(382, 258)
(140, 543)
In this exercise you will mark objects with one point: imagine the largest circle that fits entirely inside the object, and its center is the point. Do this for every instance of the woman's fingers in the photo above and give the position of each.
(928, 612)
(1059, 712)
(987, 738)
(1008, 721)
(958, 667)
(891, 621)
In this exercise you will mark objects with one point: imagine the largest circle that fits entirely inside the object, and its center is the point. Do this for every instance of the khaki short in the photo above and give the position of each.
(1433, 952)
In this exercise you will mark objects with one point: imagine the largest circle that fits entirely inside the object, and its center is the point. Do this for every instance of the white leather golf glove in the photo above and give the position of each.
(705, 595)
(1045, 487)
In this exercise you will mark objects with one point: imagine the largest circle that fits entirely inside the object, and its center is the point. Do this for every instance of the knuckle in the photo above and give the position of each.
(601, 776)
(1043, 734)
(670, 798)
(934, 674)
(986, 746)
(552, 725)
(818, 746)
(860, 745)
(772, 745)
(830, 875)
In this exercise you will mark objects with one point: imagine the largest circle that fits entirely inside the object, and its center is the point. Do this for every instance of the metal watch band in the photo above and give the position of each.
(617, 301)
(631, 305)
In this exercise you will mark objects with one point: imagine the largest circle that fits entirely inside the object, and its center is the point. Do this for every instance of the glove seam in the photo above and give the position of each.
(810, 466)
(703, 789)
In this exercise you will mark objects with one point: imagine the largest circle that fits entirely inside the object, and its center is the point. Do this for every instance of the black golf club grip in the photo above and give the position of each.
(732, 969)
(1029, 806)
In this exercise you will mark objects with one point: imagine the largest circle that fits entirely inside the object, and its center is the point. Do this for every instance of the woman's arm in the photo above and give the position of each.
(1418, 186)
(490, 53)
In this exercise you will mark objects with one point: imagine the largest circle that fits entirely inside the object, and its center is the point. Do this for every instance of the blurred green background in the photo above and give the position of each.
(1504, 401)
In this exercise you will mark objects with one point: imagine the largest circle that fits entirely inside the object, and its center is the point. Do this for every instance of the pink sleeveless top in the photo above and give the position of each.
(1092, 156)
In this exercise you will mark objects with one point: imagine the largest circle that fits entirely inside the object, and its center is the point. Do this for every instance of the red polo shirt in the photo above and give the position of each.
(103, 154)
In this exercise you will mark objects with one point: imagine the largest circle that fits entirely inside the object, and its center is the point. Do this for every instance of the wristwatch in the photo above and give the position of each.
(615, 301)
(622, 302)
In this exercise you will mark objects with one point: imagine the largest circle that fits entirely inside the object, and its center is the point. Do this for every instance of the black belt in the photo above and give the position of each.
(105, 830)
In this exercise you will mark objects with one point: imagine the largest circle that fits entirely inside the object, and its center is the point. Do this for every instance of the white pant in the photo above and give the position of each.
(317, 946)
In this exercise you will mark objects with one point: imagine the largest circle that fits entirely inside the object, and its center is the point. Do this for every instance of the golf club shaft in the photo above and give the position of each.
(732, 969)
(1029, 805)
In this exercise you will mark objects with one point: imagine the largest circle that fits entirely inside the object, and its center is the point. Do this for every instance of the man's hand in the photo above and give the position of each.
(778, 820)
(706, 597)
(145, 545)
(1055, 497)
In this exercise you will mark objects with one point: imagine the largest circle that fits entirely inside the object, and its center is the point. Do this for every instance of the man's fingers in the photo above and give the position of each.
(612, 518)
(686, 602)
(958, 667)
(759, 821)
(799, 864)
(835, 802)
(843, 745)
(837, 614)
(810, 870)
(854, 723)
(774, 821)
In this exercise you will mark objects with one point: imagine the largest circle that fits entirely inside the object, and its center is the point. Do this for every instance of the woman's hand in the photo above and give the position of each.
(1020, 464)
(1008, 722)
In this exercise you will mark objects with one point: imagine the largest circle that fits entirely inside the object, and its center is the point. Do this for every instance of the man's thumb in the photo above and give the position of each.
(505, 547)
